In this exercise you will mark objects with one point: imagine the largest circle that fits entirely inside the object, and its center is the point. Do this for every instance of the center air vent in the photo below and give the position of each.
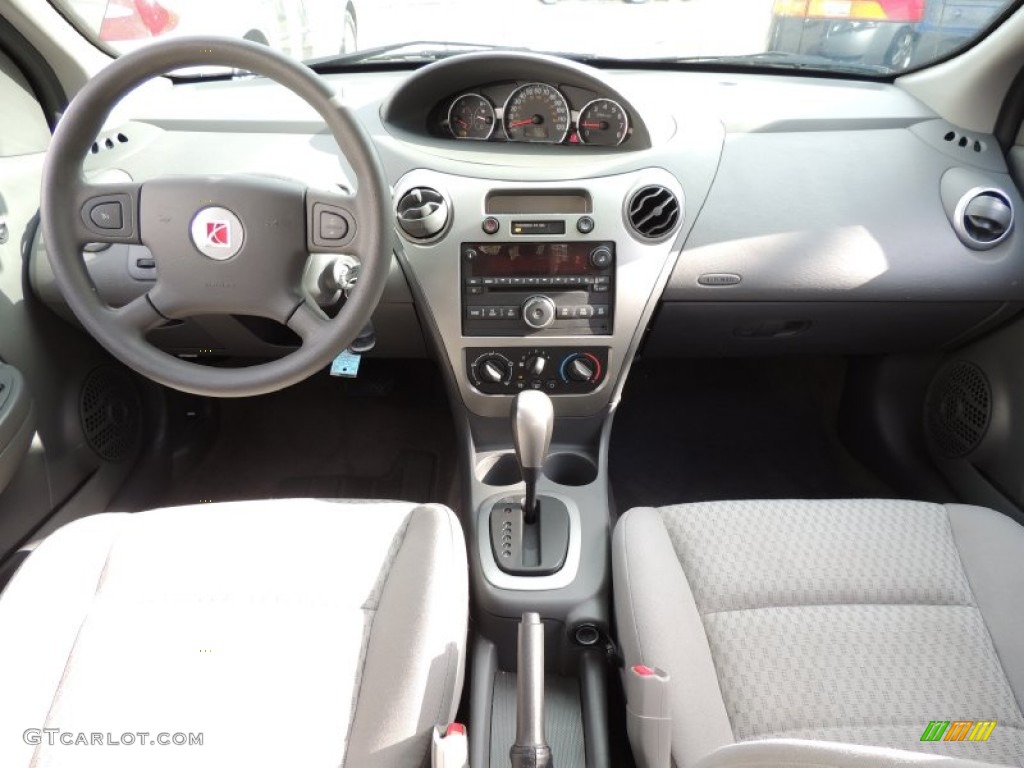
(422, 213)
(653, 212)
(983, 218)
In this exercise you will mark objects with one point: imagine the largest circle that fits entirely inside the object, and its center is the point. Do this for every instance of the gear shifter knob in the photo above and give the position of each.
(533, 419)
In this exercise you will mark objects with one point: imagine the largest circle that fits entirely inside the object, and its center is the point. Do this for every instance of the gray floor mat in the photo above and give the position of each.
(563, 721)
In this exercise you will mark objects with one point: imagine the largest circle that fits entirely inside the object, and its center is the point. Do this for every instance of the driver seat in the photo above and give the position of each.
(299, 632)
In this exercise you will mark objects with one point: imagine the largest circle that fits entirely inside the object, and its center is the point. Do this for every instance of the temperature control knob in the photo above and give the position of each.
(538, 312)
(493, 369)
(581, 367)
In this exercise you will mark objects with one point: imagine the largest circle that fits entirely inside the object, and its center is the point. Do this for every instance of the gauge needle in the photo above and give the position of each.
(527, 121)
(592, 125)
(462, 122)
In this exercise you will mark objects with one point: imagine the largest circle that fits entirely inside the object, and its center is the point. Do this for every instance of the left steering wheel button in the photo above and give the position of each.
(108, 215)
(332, 226)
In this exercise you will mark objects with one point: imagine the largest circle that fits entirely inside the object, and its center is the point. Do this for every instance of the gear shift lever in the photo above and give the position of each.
(533, 418)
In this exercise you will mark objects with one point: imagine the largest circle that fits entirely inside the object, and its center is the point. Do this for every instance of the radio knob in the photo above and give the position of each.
(493, 370)
(601, 257)
(538, 312)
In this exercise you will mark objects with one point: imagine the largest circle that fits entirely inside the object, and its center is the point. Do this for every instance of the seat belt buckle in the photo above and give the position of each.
(450, 746)
(649, 716)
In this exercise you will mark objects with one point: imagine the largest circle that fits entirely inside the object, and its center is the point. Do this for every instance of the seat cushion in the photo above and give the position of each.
(857, 621)
(287, 632)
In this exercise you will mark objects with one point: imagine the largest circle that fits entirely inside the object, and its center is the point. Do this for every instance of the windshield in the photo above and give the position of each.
(869, 36)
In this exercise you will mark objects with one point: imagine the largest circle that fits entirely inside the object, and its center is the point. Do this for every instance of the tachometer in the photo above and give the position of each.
(536, 112)
(603, 122)
(471, 116)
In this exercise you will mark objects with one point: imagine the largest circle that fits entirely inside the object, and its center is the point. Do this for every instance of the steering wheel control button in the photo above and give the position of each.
(217, 233)
(332, 226)
(584, 225)
(490, 226)
(107, 215)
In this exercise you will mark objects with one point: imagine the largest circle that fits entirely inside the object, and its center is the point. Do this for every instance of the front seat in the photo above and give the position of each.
(850, 621)
(296, 632)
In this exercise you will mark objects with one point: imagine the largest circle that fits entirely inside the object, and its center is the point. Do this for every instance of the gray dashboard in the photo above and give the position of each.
(816, 215)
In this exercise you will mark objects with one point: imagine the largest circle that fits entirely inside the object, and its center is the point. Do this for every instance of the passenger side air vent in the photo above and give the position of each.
(422, 213)
(983, 218)
(653, 212)
(958, 409)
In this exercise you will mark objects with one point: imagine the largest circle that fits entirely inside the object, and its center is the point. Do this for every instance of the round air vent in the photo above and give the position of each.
(958, 409)
(983, 218)
(653, 212)
(422, 213)
(111, 413)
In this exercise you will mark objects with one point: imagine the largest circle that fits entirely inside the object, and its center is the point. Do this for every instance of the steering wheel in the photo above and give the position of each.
(222, 244)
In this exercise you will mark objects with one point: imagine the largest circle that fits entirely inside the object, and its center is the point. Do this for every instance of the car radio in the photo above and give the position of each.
(551, 288)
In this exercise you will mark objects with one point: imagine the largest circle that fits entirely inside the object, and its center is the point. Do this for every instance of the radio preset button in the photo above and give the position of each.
(564, 312)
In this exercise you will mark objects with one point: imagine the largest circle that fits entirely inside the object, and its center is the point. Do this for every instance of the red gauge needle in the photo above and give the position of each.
(592, 125)
(461, 122)
(517, 123)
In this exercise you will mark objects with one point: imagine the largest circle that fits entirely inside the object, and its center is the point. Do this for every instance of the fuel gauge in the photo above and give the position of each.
(471, 116)
(603, 122)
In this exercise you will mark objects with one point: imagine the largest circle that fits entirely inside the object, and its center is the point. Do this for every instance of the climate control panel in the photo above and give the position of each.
(556, 370)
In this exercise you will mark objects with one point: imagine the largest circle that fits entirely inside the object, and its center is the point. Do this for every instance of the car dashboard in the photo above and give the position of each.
(553, 220)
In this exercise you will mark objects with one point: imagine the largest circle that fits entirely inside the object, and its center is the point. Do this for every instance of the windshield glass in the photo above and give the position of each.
(869, 36)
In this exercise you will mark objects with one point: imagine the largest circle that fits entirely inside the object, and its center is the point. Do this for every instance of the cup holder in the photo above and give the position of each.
(499, 469)
(570, 469)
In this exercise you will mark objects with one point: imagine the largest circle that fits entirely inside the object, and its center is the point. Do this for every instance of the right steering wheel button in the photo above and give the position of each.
(107, 215)
(332, 226)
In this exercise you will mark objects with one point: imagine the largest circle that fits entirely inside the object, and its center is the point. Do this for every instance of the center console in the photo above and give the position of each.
(536, 297)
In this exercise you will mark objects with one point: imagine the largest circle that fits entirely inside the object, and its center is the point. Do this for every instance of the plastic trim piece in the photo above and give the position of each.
(502, 580)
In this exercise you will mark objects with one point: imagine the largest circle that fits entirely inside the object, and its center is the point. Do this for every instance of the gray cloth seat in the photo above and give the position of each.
(849, 621)
(290, 632)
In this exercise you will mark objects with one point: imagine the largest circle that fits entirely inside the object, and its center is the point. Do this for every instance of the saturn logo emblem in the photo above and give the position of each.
(217, 233)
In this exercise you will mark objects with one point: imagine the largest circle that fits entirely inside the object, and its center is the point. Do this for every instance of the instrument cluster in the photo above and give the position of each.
(534, 113)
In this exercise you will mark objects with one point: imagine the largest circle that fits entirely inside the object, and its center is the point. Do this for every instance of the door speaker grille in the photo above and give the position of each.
(111, 413)
(959, 407)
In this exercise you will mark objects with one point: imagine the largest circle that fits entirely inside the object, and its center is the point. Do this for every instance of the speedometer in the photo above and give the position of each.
(536, 112)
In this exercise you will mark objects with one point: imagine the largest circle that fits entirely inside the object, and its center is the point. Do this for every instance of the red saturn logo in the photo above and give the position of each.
(218, 233)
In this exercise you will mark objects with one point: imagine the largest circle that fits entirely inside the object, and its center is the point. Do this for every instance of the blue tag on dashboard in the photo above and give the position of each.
(346, 364)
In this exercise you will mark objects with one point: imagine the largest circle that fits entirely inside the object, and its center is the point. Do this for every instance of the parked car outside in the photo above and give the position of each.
(302, 29)
(889, 33)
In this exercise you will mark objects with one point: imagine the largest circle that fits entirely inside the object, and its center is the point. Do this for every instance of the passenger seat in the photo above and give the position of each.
(850, 621)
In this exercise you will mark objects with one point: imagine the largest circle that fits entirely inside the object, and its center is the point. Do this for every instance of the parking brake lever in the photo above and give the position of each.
(530, 749)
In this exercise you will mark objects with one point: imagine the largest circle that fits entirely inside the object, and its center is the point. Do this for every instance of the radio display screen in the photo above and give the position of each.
(529, 259)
